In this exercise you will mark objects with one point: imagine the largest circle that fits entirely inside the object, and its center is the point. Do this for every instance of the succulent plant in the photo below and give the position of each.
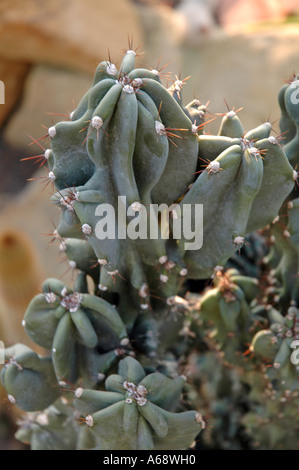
(131, 166)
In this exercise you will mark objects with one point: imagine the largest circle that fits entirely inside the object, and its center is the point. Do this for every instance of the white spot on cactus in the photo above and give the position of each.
(162, 259)
(78, 392)
(137, 82)
(125, 342)
(102, 262)
(128, 89)
(276, 365)
(89, 420)
(170, 301)
(86, 229)
(194, 129)
(239, 240)
(129, 401)
(67, 202)
(102, 288)
(72, 301)
(286, 234)
(113, 273)
(290, 205)
(12, 399)
(144, 306)
(50, 297)
(96, 122)
(130, 51)
(23, 323)
(177, 300)
(111, 69)
(100, 377)
(231, 114)
(137, 207)
(177, 85)
(54, 350)
(64, 292)
(213, 167)
(52, 131)
(218, 270)
(62, 246)
(160, 128)
(295, 175)
(198, 418)
(42, 419)
(272, 140)
(12, 361)
(155, 72)
(170, 264)
(120, 352)
(47, 153)
(72, 264)
(163, 278)
(183, 272)
(275, 220)
(137, 393)
(142, 401)
(254, 151)
(51, 176)
(143, 291)
(71, 115)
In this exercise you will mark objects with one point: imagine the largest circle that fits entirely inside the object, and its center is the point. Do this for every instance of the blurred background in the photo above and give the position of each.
(237, 50)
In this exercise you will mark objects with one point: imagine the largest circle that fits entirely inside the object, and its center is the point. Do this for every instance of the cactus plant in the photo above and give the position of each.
(131, 145)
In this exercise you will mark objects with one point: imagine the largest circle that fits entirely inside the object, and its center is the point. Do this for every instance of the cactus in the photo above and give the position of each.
(120, 339)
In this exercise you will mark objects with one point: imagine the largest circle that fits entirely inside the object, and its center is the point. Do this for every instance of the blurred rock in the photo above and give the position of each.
(12, 74)
(72, 34)
(247, 70)
(200, 18)
(239, 12)
(32, 213)
(20, 278)
(47, 90)
(163, 30)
